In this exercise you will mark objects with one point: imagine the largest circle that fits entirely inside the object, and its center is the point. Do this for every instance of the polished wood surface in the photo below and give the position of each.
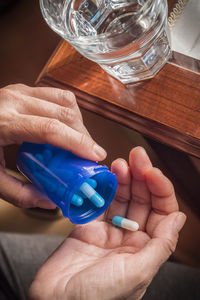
(165, 108)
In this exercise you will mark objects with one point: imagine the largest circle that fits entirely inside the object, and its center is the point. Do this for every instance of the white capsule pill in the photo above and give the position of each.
(92, 183)
(125, 223)
(92, 195)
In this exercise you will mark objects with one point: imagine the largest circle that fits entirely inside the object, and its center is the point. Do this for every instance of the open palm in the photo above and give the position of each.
(100, 261)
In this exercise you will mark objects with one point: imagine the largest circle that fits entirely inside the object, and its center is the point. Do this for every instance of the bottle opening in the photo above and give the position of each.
(106, 188)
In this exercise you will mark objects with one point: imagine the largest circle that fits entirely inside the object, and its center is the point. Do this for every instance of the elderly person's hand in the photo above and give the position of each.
(101, 262)
(40, 115)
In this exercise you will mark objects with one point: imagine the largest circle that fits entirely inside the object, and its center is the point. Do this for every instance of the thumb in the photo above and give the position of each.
(163, 242)
(22, 194)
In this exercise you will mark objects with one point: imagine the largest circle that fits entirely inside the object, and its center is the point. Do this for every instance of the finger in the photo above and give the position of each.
(63, 98)
(163, 197)
(69, 116)
(161, 246)
(58, 96)
(43, 130)
(21, 194)
(65, 101)
(120, 203)
(140, 205)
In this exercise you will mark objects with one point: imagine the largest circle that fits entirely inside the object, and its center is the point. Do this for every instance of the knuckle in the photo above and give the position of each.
(66, 98)
(60, 94)
(8, 100)
(170, 245)
(85, 141)
(50, 127)
(67, 114)
(71, 98)
(6, 94)
(17, 86)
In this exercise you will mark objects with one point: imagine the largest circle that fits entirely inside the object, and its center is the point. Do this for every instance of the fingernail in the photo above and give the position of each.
(179, 221)
(100, 152)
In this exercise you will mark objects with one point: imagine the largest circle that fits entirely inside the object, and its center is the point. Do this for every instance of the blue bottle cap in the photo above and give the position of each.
(59, 175)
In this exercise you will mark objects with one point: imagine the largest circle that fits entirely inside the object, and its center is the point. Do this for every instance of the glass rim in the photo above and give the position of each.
(76, 40)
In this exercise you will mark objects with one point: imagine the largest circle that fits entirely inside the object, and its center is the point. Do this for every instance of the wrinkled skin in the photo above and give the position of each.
(40, 115)
(99, 261)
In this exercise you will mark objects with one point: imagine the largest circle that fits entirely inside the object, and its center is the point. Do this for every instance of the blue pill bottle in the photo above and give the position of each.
(82, 189)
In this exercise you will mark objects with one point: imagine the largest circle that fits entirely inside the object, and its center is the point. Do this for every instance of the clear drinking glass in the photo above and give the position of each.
(129, 39)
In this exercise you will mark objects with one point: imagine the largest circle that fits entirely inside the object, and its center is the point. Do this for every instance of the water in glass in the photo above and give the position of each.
(128, 38)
